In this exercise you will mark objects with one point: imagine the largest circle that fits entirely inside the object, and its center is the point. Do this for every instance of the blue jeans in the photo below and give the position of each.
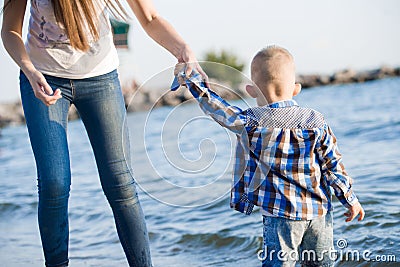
(100, 104)
(287, 241)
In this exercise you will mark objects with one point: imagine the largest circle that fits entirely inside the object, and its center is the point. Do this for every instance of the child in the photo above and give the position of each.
(286, 159)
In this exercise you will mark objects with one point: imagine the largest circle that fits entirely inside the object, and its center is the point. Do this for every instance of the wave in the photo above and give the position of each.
(204, 243)
(7, 208)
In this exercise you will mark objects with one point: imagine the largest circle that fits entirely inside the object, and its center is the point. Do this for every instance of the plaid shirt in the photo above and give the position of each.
(286, 156)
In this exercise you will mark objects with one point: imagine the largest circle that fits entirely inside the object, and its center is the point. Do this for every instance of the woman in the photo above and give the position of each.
(69, 57)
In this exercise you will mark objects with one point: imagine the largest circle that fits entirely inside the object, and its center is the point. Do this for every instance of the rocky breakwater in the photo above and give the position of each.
(140, 98)
(13, 114)
(347, 76)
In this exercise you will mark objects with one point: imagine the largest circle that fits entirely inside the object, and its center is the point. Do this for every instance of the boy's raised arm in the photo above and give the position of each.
(228, 116)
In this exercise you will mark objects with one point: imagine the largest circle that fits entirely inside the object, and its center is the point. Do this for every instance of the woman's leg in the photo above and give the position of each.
(47, 132)
(101, 106)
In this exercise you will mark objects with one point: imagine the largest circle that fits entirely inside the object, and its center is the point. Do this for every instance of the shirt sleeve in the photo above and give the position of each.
(333, 169)
(228, 116)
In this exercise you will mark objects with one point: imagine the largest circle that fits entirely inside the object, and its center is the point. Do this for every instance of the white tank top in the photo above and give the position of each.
(51, 53)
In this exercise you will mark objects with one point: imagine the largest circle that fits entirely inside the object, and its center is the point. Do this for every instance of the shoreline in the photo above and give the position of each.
(12, 113)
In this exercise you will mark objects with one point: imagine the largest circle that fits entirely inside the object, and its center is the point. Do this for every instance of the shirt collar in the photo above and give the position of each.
(283, 104)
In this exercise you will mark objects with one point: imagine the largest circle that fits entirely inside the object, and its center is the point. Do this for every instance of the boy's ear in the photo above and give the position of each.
(251, 90)
(297, 89)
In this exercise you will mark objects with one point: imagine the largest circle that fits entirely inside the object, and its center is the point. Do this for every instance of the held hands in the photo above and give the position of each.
(187, 59)
(42, 89)
(353, 211)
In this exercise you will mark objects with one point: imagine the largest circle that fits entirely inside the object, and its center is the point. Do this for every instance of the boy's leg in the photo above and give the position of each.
(282, 238)
(317, 246)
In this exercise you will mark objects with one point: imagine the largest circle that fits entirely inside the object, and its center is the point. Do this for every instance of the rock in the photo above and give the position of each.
(11, 113)
(376, 74)
(308, 81)
(155, 98)
(172, 98)
(364, 76)
(137, 102)
(227, 91)
(397, 71)
(187, 95)
(324, 80)
(344, 76)
(387, 71)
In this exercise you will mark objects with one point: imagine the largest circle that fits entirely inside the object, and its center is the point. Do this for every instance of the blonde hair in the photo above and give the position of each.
(272, 64)
(79, 15)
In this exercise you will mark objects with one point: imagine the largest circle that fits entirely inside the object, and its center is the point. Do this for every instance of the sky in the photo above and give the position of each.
(323, 36)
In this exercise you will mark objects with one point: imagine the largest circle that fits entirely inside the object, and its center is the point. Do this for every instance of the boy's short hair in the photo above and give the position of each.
(272, 64)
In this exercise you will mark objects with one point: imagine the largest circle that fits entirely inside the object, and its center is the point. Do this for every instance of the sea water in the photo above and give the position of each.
(182, 164)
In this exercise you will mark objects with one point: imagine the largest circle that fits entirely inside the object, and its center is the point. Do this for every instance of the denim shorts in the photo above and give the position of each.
(309, 242)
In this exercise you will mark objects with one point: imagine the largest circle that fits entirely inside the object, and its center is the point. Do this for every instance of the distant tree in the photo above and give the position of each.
(223, 66)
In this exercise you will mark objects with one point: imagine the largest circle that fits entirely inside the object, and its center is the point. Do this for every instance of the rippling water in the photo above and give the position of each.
(182, 162)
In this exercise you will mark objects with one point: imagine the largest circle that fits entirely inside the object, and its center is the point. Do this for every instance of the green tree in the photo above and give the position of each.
(223, 66)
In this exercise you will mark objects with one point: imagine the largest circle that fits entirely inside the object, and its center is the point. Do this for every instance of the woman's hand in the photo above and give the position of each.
(42, 89)
(188, 57)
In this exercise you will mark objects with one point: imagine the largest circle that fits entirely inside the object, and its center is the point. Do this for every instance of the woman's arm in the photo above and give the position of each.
(11, 34)
(164, 34)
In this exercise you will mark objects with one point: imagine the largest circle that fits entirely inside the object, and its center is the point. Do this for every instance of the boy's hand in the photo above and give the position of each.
(353, 211)
(180, 67)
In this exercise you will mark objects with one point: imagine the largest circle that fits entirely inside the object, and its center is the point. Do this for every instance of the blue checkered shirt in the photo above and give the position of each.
(287, 157)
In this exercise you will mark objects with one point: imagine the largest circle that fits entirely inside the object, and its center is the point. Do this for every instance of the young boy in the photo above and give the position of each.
(286, 160)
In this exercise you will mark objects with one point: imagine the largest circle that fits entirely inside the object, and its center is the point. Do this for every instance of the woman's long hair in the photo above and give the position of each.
(78, 16)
